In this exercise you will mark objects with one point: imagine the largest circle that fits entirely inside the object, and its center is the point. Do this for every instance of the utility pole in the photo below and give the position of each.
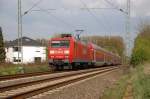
(20, 55)
(18, 28)
(128, 28)
(21, 32)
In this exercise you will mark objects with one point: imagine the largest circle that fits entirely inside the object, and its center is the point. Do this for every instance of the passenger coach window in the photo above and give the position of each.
(57, 44)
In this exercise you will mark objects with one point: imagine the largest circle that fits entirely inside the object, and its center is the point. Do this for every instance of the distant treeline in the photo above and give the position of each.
(141, 50)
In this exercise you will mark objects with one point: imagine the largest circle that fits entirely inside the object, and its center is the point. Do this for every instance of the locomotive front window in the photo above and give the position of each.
(62, 43)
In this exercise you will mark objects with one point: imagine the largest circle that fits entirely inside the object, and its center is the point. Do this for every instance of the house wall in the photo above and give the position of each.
(29, 54)
(9, 54)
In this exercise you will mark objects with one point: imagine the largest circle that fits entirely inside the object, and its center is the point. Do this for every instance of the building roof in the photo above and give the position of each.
(25, 42)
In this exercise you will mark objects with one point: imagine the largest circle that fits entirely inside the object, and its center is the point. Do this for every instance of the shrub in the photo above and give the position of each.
(141, 50)
(2, 50)
(138, 57)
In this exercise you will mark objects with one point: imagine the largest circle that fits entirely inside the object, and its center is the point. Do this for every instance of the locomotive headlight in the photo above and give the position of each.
(66, 52)
(51, 51)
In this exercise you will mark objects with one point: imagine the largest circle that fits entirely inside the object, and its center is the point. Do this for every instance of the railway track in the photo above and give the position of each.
(8, 77)
(30, 86)
(17, 76)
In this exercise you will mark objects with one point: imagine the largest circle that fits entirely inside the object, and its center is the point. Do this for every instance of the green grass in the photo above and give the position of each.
(9, 70)
(36, 69)
(141, 84)
(117, 91)
(12, 69)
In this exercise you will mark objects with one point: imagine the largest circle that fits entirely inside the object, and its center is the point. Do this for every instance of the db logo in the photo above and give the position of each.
(60, 52)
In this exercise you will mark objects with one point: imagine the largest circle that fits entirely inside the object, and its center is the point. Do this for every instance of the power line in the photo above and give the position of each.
(34, 5)
(81, 26)
(98, 8)
(97, 20)
(44, 9)
(110, 3)
(107, 20)
(114, 6)
(70, 25)
(64, 22)
(47, 11)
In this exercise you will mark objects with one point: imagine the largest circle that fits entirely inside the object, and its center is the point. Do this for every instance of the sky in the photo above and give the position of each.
(50, 17)
(66, 16)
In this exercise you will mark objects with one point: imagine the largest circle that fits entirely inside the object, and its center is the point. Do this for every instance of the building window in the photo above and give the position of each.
(17, 49)
(37, 59)
(16, 59)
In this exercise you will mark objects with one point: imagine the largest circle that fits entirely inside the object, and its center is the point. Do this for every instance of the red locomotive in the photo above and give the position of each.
(74, 53)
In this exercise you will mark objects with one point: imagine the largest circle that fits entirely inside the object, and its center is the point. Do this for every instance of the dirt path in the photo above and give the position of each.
(147, 69)
(129, 91)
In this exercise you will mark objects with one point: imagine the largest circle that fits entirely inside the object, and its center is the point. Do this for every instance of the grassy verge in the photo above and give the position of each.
(12, 69)
(141, 84)
(117, 91)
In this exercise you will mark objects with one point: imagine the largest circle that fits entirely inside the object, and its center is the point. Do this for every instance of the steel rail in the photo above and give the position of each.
(48, 85)
(9, 77)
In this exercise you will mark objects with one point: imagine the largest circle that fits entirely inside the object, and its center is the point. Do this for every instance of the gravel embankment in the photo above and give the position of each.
(91, 88)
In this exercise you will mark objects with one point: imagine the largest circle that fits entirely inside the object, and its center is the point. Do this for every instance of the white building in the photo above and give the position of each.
(32, 51)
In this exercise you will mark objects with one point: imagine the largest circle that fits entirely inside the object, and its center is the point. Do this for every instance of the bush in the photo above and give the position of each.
(141, 50)
(2, 50)
(138, 57)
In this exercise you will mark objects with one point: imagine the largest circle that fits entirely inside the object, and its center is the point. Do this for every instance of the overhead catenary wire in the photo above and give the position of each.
(98, 20)
(111, 4)
(95, 17)
(78, 27)
(48, 12)
(58, 19)
(34, 5)
(106, 19)
(43, 9)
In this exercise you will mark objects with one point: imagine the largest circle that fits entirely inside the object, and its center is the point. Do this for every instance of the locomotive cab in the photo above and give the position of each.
(59, 51)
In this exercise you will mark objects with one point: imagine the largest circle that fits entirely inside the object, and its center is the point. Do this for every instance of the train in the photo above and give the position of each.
(70, 52)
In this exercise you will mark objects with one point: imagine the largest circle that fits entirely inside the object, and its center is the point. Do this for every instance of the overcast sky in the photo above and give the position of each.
(68, 16)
